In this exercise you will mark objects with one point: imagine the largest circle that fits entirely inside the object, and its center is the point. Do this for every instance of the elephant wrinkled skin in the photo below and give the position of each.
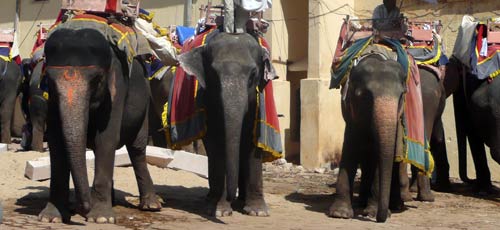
(93, 104)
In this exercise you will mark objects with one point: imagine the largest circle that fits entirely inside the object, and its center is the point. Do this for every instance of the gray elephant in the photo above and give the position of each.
(34, 106)
(93, 103)
(475, 104)
(229, 80)
(10, 86)
(372, 108)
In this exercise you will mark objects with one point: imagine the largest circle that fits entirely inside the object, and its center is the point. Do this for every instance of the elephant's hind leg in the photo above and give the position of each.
(149, 201)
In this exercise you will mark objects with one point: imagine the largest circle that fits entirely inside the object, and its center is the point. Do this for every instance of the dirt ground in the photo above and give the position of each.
(298, 199)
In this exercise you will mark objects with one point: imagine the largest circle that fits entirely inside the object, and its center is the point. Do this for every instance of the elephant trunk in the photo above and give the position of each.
(234, 112)
(72, 100)
(385, 122)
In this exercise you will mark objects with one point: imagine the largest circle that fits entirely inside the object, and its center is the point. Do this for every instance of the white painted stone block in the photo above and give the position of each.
(159, 157)
(39, 169)
(3, 147)
(197, 164)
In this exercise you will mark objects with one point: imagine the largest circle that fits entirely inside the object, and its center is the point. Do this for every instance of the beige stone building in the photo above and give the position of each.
(303, 35)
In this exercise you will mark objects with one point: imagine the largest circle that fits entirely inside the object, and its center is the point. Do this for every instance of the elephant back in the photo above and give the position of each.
(123, 38)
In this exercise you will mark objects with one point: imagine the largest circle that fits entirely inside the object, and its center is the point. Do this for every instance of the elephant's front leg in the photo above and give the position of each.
(101, 210)
(255, 205)
(218, 205)
(342, 203)
(56, 209)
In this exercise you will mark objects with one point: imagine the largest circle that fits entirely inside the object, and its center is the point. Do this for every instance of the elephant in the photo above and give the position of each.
(475, 104)
(229, 81)
(93, 103)
(372, 107)
(34, 106)
(10, 87)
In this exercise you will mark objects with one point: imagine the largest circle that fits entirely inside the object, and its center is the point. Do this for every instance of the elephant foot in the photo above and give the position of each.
(443, 185)
(426, 196)
(50, 214)
(150, 202)
(256, 207)
(487, 190)
(414, 187)
(223, 208)
(406, 196)
(370, 210)
(101, 214)
(341, 209)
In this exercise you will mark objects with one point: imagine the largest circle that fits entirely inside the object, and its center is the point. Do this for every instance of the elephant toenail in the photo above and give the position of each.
(101, 220)
(44, 220)
(56, 220)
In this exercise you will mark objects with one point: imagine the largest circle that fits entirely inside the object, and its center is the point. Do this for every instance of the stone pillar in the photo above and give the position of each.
(322, 125)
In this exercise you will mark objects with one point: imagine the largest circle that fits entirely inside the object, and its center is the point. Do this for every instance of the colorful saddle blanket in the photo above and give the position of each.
(124, 38)
(426, 53)
(184, 116)
(416, 146)
(485, 58)
(473, 50)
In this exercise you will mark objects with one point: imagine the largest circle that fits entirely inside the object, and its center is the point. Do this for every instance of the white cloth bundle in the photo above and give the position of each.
(161, 47)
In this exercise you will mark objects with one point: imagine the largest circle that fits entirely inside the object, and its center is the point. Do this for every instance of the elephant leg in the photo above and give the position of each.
(7, 111)
(38, 111)
(342, 203)
(413, 179)
(158, 137)
(56, 209)
(37, 138)
(137, 154)
(255, 205)
(438, 149)
(101, 210)
(483, 175)
(404, 182)
(396, 201)
(367, 177)
(424, 188)
(218, 205)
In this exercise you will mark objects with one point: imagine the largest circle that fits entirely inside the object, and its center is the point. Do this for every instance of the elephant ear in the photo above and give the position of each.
(192, 63)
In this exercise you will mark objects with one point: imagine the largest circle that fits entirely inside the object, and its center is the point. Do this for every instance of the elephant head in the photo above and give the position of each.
(373, 105)
(229, 68)
(77, 64)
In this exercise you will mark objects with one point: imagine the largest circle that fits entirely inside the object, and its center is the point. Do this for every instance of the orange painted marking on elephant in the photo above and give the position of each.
(70, 96)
